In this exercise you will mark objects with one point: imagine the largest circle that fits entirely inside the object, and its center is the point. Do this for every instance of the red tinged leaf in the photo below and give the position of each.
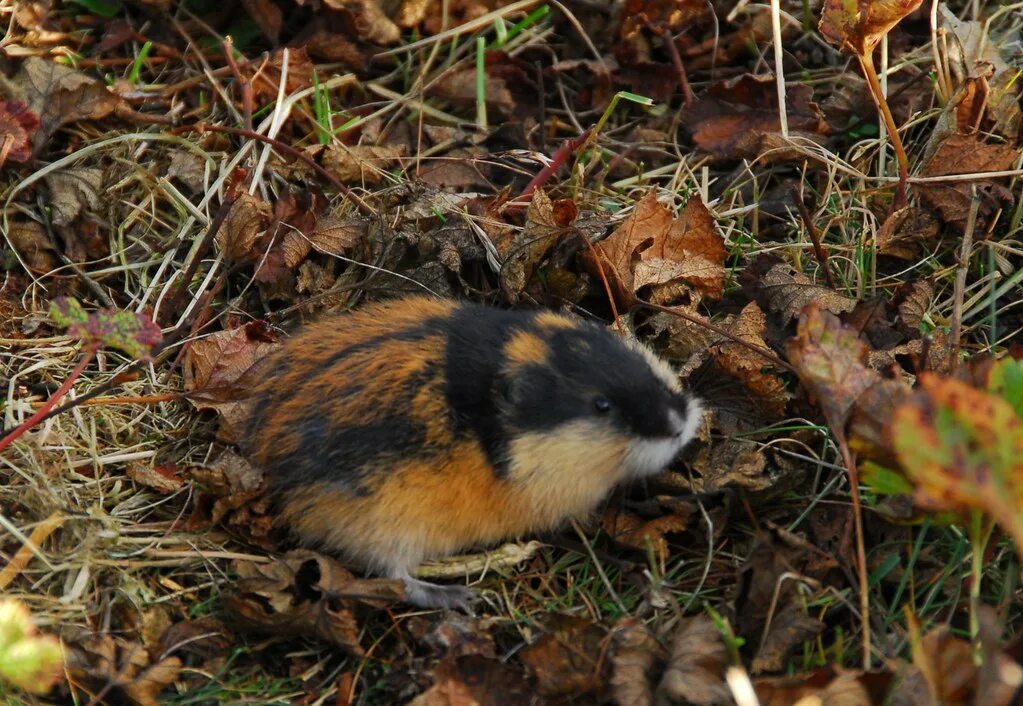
(831, 361)
(963, 448)
(135, 334)
(17, 126)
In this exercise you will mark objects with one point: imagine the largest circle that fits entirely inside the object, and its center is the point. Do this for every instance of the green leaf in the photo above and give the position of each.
(135, 334)
(885, 481)
(1006, 381)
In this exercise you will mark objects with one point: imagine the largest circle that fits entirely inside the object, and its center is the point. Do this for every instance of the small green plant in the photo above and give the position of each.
(28, 660)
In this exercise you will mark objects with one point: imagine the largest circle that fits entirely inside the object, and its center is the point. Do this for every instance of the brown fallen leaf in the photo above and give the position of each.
(163, 479)
(966, 154)
(475, 680)
(29, 240)
(219, 369)
(907, 233)
(831, 361)
(244, 228)
(636, 655)
(60, 95)
(729, 463)
(112, 663)
(652, 248)
(73, 191)
(860, 24)
(303, 594)
(696, 668)
(530, 245)
(734, 119)
(790, 628)
(633, 531)
(364, 165)
(566, 658)
(781, 289)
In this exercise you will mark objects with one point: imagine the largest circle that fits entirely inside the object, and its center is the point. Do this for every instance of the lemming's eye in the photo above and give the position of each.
(602, 405)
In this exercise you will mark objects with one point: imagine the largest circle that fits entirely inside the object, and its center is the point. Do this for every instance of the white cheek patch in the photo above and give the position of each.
(647, 457)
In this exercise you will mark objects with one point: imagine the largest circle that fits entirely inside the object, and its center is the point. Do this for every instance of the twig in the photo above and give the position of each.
(41, 413)
(867, 64)
(559, 157)
(246, 86)
(688, 97)
(818, 249)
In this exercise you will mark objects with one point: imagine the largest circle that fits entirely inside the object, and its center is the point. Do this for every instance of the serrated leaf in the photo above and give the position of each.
(135, 334)
(860, 24)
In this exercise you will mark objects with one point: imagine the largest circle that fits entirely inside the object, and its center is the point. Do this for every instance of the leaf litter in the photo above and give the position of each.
(244, 198)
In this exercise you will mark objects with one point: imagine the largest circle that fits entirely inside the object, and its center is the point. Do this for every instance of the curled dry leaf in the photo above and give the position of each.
(790, 628)
(304, 594)
(907, 232)
(566, 658)
(164, 479)
(220, 369)
(735, 119)
(696, 668)
(963, 449)
(860, 24)
(17, 125)
(29, 240)
(653, 248)
(633, 531)
(74, 190)
(531, 244)
(102, 661)
(729, 463)
(780, 288)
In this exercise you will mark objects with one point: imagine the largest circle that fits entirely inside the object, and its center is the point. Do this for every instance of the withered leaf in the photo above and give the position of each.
(564, 659)
(303, 594)
(779, 288)
(220, 368)
(475, 680)
(860, 24)
(696, 667)
(636, 654)
(361, 164)
(965, 154)
(732, 462)
(733, 118)
(72, 190)
(907, 232)
(29, 240)
(338, 236)
(530, 245)
(60, 95)
(243, 228)
(17, 125)
(790, 627)
(633, 531)
(652, 248)
(371, 24)
(831, 361)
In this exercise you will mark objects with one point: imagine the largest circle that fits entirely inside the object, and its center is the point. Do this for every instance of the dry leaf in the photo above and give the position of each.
(636, 654)
(966, 154)
(734, 118)
(530, 245)
(475, 680)
(780, 288)
(860, 24)
(60, 95)
(29, 240)
(651, 247)
(17, 126)
(243, 228)
(564, 659)
(365, 165)
(696, 667)
(306, 594)
(75, 190)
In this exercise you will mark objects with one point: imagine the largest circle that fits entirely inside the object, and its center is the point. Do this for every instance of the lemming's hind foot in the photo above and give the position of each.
(431, 595)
